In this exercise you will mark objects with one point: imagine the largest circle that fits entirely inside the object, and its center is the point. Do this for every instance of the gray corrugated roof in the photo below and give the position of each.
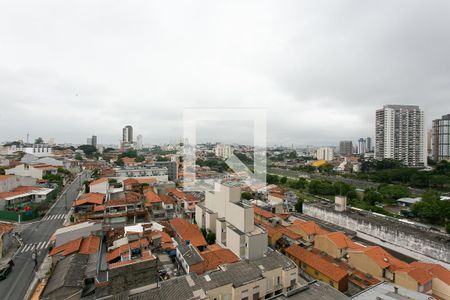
(69, 272)
(190, 254)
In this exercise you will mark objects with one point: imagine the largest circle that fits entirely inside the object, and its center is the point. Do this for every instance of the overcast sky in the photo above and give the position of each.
(70, 69)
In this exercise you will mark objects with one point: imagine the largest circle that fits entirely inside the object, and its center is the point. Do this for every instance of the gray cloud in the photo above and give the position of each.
(69, 69)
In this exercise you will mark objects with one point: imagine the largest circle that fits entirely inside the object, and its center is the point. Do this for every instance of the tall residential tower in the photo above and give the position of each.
(441, 138)
(400, 134)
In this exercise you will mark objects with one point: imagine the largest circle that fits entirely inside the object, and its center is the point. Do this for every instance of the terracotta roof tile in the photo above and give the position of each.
(68, 248)
(310, 227)
(90, 245)
(435, 270)
(98, 181)
(381, 257)
(188, 232)
(318, 263)
(263, 213)
(341, 240)
(90, 198)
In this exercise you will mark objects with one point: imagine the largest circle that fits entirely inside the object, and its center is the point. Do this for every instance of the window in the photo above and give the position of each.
(244, 295)
(256, 293)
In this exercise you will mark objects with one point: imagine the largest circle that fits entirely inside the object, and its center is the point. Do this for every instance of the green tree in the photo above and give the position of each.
(283, 180)
(39, 140)
(372, 197)
(246, 195)
(140, 158)
(210, 237)
(299, 206)
(78, 156)
(298, 184)
(88, 150)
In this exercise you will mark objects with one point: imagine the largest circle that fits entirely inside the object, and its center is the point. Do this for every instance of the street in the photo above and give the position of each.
(36, 240)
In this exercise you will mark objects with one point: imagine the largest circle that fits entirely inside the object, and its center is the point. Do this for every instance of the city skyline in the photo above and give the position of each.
(274, 57)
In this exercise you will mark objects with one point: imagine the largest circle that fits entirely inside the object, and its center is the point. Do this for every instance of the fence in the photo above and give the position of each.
(14, 216)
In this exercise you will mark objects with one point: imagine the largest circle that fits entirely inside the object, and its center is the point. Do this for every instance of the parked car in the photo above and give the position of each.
(5, 269)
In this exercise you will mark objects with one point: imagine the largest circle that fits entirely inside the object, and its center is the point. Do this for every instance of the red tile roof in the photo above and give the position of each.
(68, 248)
(263, 213)
(214, 258)
(177, 193)
(167, 199)
(434, 270)
(188, 232)
(98, 181)
(381, 257)
(317, 262)
(90, 245)
(90, 198)
(341, 240)
(152, 197)
(310, 227)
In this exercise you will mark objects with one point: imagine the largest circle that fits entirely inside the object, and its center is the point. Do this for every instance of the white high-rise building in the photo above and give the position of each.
(362, 147)
(400, 134)
(223, 151)
(325, 153)
(139, 143)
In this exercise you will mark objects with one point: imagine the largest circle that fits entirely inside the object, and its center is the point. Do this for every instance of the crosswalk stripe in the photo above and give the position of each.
(39, 245)
(32, 247)
(47, 244)
(53, 217)
(24, 249)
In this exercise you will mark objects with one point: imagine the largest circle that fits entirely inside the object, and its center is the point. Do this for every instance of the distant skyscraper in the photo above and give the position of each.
(139, 142)
(362, 147)
(345, 148)
(325, 153)
(400, 134)
(441, 138)
(94, 141)
(223, 151)
(369, 146)
(89, 141)
(127, 134)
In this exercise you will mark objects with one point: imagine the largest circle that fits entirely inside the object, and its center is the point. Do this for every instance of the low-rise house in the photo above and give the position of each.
(155, 205)
(69, 233)
(168, 203)
(263, 215)
(186, 232)
(100, 185)
(375, 261)
(425, 278)
(87, 245)
(185, 202)
(89, 206)
(335, 244)
(317, 267)
(24, 194)
(10, 182)
(308, 230)
(37, 171)
(192, 260)
(126, 208)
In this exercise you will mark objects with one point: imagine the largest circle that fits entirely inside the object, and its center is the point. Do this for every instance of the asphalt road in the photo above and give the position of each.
(37, 236)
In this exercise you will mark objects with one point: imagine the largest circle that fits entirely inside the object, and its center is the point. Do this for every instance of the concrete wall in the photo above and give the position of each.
(12, 182)
(234, 242)
(392, 234)
(241, 217)
(23, 170)
(441, 289)
(257, 245)
(324, 244)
